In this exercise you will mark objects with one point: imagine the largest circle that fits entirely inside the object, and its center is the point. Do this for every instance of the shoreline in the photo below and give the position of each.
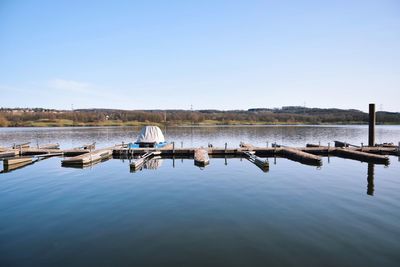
(137, 124)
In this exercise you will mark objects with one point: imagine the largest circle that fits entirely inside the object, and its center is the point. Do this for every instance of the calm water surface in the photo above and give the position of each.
(346, 213)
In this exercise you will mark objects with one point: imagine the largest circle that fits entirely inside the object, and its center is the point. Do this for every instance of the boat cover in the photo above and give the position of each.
(150, 134)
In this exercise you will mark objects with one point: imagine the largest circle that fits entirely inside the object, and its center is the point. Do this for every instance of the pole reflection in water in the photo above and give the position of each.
(370, 179)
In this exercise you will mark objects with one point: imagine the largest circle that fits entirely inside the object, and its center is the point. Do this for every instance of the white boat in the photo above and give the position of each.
(149, 136)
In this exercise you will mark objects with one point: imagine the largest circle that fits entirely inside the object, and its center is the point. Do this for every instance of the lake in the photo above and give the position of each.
(172, 213)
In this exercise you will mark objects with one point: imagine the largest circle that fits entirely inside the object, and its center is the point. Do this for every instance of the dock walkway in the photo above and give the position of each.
(90, 157)
(306, 155)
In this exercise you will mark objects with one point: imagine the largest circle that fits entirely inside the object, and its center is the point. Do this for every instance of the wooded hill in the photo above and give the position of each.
(284, 115)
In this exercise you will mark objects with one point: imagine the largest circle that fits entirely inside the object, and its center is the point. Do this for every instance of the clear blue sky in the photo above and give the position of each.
(211, 54)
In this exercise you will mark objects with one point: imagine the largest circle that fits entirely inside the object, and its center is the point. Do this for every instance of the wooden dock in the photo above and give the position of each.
(300, 156)
(262, 164)
(16, 160)
(311, 154)
(306, 155)
(8, 153)
(90, 157)
(201, 158)
(361, 156)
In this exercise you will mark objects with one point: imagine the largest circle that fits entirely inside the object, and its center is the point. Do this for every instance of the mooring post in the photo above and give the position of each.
(226, 145)
(181, 144)
(372, 121)
(173, 149)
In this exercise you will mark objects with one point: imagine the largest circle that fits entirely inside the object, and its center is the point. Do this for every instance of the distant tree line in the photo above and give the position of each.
(12, 117)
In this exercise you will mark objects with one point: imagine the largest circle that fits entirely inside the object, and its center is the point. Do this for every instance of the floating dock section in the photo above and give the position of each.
(16, 160)
(262, 164)
(362, 156)
(300, 156)
(90, 157)
(201, 157)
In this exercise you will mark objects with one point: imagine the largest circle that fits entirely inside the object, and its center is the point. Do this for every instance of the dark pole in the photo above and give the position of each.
(372, 120)
(370, 179)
